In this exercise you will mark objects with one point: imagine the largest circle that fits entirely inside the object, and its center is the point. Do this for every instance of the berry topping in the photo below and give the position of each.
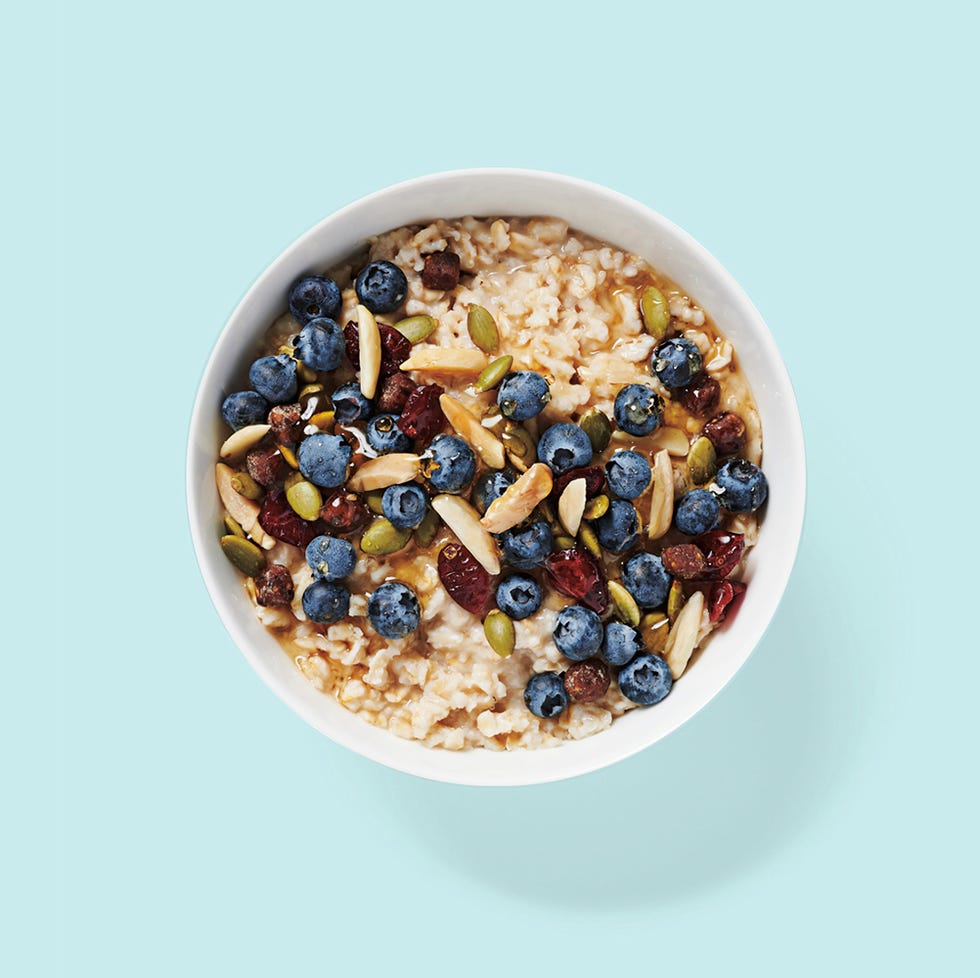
(577, 574)
(326, 602)
(404, 506)
(265, 465)
(620, 643)
(274, 378)
(395, 348)
(724, 600)
(523, 395)
(528, 546)
(577, 633)
(422, 416)
(587, 681)
(286, 422)
(314, 297)
(244, 408)
(330, 558)
(645, 577)
(323, 459)
(619, 528)
(684, 561)
(441, 271)
(381, 286)
(452, 465)
(638, 409)
(628, 474)
(385, 437)
(279, 520)
(350, 405)
(518, 596)
(394, 392)
(321, 345)
(343, 512)
(595, 479)
(697, 512)
(726, 432)
(564, 446)
(646, 680)
(675, 362)
(701, 395)
(722, 551)
(465, 580)
(394, 610)
(743, 486)
(274, 586)
(490, 486)
(545, 695)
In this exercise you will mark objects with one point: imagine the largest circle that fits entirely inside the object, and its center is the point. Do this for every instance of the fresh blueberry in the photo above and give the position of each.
(323, 459)
(577, 633)
(314, 297)
(545, 696)
(394, 610)
(638, 409)
(619, 528)
(645, 578)
(350, 405)
(620, 643)
(628, 474)
(244, 408)
(321, 344)
(522, 395)
(453, 464)
(385, 437)
(274, 378)
(405, 506)
(518, 596)
(527, 547)
(697, 512)
(564, 446)
(326, 601)
(490, 486)
(330, 558)
(381, 286)
(744, 487)
(675, 362)
(646, 680)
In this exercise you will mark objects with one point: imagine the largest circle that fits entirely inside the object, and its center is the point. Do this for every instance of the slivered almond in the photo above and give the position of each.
(486, 444)
(518, 501)
(243, 511)
(454, 360)
(571, 506)
(369, 342)
(464, 521)
(662, 495)
(673, 439)
(237, 445)
(384, 471)
(684, 635)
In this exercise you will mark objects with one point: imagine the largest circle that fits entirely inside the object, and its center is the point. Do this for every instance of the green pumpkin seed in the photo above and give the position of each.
(518, 441)
(546, 512)
(373, 500)
(493, 374)
(246, 486)
(382, 538)
(482, 329)
(286, 349)
(305, 374)
(597, 426)
(563, 542)
(232, 526)
(596, 507)
(308, 391)
(416, 328)
(675, 600)
(655, 312)
(426, 531)
(289, 455)
(305, 499)
(702, 461)
(500, 633)
(243, 554)
(589, 540)
(625, 604)
(292, 479)
(654, 629)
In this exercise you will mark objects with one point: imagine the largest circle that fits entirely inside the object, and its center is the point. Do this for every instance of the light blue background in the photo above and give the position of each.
(167, 815)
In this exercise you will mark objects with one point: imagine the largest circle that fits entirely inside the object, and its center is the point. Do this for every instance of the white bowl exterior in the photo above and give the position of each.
(608, 216)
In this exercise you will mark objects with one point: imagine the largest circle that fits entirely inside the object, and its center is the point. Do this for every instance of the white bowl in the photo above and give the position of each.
(603, 214)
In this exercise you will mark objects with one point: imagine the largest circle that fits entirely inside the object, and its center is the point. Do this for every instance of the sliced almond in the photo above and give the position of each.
(369, 344)
(464, 521)
(518, 501)
(662, 495)
(454, 360)
(237, 445)
(684, 635)
(384, 471)
(244, 511)
(467, 425)
(571, 506)
(673, 439)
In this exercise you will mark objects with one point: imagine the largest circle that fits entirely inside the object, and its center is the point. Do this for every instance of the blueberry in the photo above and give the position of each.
(385, 437)
(675, 362)
(645, 578)
(394, 610)
(244, 408)
(577, 633)
(564, 446)
(274, 378)
(350, 405)
(405, 506)
(646, 680)
(628, 474)
(314, 297)
(323, 459)
(638, 409)
(518, 596)
(321, 344)
(744, 487)
(545, 696)
(326, 601)
(490, 486)
(620, 643)
(381, 286)
(619, 528)
(527, 547)
(330, 558)
(452, 465)
(697, 512)
(522, 395)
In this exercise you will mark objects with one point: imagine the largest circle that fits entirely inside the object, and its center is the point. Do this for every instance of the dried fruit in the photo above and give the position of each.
(385, 470)
(654, 628)
(441, 271)
(724, 600)
(587, 681)
(277, 518)
(722, 551)
(493, 374)
(243, 554)
(518, 500)
(597, 507)
(286, 423)
(274, 586)
(466, 582)
(577, 574)
(243, 440)
(343, 512)
(727, 433)
(675, 600)
(265, 466)
(684, 635)
(426, 531)
(702, 461)
(596, 425)
(571, 505)
(395, 348)
(393, 393)
(627, 610)
(500, 633)
(662, 495)
(382, 538)
(594, 475)
(464, 521)
(655, 312)
(684, 561)
(246, 486)
(416, 328)
(701, 395)
(467, 425)
(422, 415)
(482, 329)
(305, 499)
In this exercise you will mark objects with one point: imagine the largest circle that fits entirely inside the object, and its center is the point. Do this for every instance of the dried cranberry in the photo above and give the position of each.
(277, 518)
(343, 512)
(274, 585)
(441, 271)
(685, 561)
(724, 600)
(577, 574)
(726, 432)
(395, 348)
(595, 479)
(701, 395)
(265, 465)
(286, 422)
(394, 393)
(464, 578)
(587, 681)
(422, 415)
(722, 552)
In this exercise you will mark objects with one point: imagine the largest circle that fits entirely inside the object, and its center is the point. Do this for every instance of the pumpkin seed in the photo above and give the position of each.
(482, 329)
(702, 461)
(416, 328)
(655, 312)
(233, 527)
(292, 479)
(563, 542)
(286, 349)
(675, 600)
(597, 426)
(246, 486)
(625, 604)
(373, 500)
(518, 441)
(289, 455)
(493, 374)
(426, 531)
(305, 499)
(382, 538)
(589, 540)
(654, 628)
(308, 391)
(243, 554)
(324, 420)
(305, 374)
(596, 507)
(500, 633)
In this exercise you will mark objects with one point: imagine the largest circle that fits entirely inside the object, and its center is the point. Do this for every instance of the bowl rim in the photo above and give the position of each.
(202, 409)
